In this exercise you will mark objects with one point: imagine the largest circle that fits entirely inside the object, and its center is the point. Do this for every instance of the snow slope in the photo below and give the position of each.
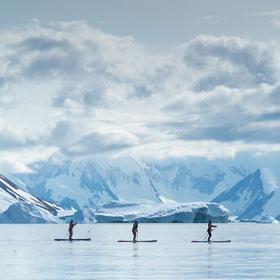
(254, 196)
(17, 205)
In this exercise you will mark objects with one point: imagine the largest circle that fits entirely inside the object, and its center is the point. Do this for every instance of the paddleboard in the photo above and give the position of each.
(137, 241)
(214, 241)
(77, 239)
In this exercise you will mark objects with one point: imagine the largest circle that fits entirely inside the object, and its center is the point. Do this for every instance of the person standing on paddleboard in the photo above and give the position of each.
(135, 230)
(70, 229)
(209, 230)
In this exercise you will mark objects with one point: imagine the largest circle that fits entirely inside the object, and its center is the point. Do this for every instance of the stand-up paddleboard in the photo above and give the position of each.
(137, 241)
(214, 241)
(77, 239)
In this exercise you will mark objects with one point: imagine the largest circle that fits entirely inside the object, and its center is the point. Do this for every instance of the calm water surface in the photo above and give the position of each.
(29, 252)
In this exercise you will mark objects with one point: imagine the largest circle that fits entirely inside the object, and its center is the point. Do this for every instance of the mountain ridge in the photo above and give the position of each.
(88, 184)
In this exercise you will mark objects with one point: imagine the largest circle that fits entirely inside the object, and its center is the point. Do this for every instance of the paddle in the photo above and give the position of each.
(205, 236)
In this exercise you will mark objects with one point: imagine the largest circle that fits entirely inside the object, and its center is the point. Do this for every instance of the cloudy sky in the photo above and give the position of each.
(151, 79)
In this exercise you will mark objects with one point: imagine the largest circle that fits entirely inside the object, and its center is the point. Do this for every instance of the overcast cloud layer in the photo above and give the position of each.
(69, 89)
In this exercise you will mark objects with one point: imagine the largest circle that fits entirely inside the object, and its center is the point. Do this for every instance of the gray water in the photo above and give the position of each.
(29, 252)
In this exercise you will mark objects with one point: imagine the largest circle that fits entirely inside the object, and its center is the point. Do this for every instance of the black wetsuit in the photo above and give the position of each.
(209, 231)
(134, 231)
(71, 226)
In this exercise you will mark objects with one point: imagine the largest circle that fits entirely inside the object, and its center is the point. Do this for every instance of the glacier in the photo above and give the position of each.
(165, 212)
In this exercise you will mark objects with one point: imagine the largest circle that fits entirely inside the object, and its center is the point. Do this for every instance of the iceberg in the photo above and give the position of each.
(165, 212)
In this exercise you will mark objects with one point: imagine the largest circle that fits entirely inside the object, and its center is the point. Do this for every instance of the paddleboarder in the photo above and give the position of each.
(135, 230)
(209, 230)
(70, 229)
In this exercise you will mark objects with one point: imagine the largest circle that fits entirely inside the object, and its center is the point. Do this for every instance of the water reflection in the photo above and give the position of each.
(209, 261)
(135, 267)
(135, 250)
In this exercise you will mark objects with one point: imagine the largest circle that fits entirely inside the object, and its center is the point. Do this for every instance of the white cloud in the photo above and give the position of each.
(102, 142)
(12, 137)
(230, 61)
(72, 89)
(20, 160)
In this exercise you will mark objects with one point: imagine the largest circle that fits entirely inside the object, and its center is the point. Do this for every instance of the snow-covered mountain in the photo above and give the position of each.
(19, 206)
(81, 184)
(254, 196)
(84, 185)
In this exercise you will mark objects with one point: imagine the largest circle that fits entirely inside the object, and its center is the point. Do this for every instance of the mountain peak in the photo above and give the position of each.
(270, 182)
